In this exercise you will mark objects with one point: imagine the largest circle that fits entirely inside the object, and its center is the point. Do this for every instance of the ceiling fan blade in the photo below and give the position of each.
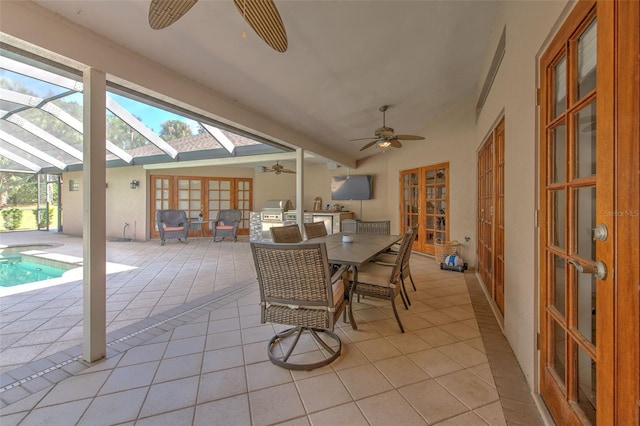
(289, 171)
(395, 143)
(163, 13)
(409, 137)
(368, 145)
(361, 139)
(263, 17)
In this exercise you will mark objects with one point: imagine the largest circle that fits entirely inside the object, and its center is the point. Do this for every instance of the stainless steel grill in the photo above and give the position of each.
(274, 210)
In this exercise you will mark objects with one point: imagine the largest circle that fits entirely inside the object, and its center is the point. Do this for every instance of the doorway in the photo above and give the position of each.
(589, 224)
(490, 216)
(425, 202)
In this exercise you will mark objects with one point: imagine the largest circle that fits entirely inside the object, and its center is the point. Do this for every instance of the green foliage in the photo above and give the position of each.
(175, 129)
(42, 220)
(17, 188)
(12, 218)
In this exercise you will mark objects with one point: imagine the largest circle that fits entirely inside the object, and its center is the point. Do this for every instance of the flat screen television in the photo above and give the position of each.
(354, 187)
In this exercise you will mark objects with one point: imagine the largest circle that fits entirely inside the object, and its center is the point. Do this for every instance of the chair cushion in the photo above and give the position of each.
(372, 273)
(338, 291)
(173, 228)
(224, 227)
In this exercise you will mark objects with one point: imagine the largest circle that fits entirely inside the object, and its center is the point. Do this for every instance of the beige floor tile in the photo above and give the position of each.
(389, 408)
(75, 388)
(364, 381)
(401, 371)
(364, 332)
(387, 327)
(257, 352)
(463, 354)
(434, 362)
(300, 421)
(67, 413)
(275, 405)
(114, 408)
(350, 357)
(466, 419)
(222, 384)
(408, 342)
(169, 396)
(492, 414)
(436, 317)
(229, 412)
(432, 401)
(484, 372)
(261, 333)
(342, 415)
(469, 388)
(460, 330)
(186, 346)
(377, 349)
(223, 340)
(435, 336)
(265, 374)
(178, 417)
(221, 359)
(322, 392)
(477, 344)
(179, 368)
(130, 377)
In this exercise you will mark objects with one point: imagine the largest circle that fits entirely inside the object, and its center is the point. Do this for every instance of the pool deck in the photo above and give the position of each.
(185, 346)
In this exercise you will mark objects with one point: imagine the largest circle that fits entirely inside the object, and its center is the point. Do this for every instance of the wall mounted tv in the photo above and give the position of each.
(355, 187)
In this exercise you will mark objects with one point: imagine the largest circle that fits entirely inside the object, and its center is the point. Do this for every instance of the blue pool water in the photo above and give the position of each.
(14, 271)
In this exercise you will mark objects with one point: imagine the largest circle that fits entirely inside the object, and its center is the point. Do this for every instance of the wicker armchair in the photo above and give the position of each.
(378, 227)
(390, 258)
(315, 230)
(172, 224)
(297, 289)
(382, 282)
(226, 224)
(286, 234)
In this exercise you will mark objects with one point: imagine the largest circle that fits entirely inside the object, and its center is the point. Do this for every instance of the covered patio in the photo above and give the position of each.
(185, 346)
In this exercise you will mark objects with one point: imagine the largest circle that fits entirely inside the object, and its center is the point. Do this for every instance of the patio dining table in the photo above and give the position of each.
(360, 251)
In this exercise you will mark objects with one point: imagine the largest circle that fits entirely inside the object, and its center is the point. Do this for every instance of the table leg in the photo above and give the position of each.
(352, 287)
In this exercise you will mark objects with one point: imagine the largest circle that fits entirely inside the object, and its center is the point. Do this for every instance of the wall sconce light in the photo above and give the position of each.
(134, 184)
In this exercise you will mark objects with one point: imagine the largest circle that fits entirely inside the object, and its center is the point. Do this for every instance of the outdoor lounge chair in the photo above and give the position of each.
(172, 224)
(226, 224)
(298, 290)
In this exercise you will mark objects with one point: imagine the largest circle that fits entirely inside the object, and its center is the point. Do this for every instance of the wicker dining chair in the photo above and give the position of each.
(286, 234)
(298, 290)
(376, 227)
(226, 224)
(390, 258)
(315, 230)
(382, 282)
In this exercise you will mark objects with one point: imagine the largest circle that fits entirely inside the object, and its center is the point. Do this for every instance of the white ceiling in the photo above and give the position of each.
(345, 58)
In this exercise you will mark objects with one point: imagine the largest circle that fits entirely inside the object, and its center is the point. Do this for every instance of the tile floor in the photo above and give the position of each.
(186, 346)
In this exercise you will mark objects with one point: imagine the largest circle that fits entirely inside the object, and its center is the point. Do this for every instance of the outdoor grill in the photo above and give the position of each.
(274, 210)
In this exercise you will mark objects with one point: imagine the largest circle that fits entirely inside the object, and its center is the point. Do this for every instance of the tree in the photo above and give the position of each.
(175, 129)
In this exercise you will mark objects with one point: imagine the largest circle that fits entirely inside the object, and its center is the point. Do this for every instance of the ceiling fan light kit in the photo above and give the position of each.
(261, 15)
(385, 137)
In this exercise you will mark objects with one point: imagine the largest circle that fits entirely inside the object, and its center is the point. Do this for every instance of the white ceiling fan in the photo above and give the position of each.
(261, 15)
(277, 169)
(385, 136)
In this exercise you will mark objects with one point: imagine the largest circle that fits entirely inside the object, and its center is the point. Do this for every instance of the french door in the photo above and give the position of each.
(589, 273)
(490, 215)
(202, 197)
(425, 202)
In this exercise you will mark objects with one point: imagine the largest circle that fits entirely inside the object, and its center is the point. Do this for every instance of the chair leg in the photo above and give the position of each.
(162, 242)
(412, 283)
(395, 312)
(405, 294)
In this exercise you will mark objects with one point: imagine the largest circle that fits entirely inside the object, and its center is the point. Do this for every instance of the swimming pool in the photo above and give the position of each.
(15, 271)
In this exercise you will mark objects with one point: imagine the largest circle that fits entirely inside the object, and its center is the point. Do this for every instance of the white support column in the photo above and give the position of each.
(94, 216)
(300, 188)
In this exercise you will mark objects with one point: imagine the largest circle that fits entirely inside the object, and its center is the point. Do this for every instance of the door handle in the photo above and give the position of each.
(599, 269)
